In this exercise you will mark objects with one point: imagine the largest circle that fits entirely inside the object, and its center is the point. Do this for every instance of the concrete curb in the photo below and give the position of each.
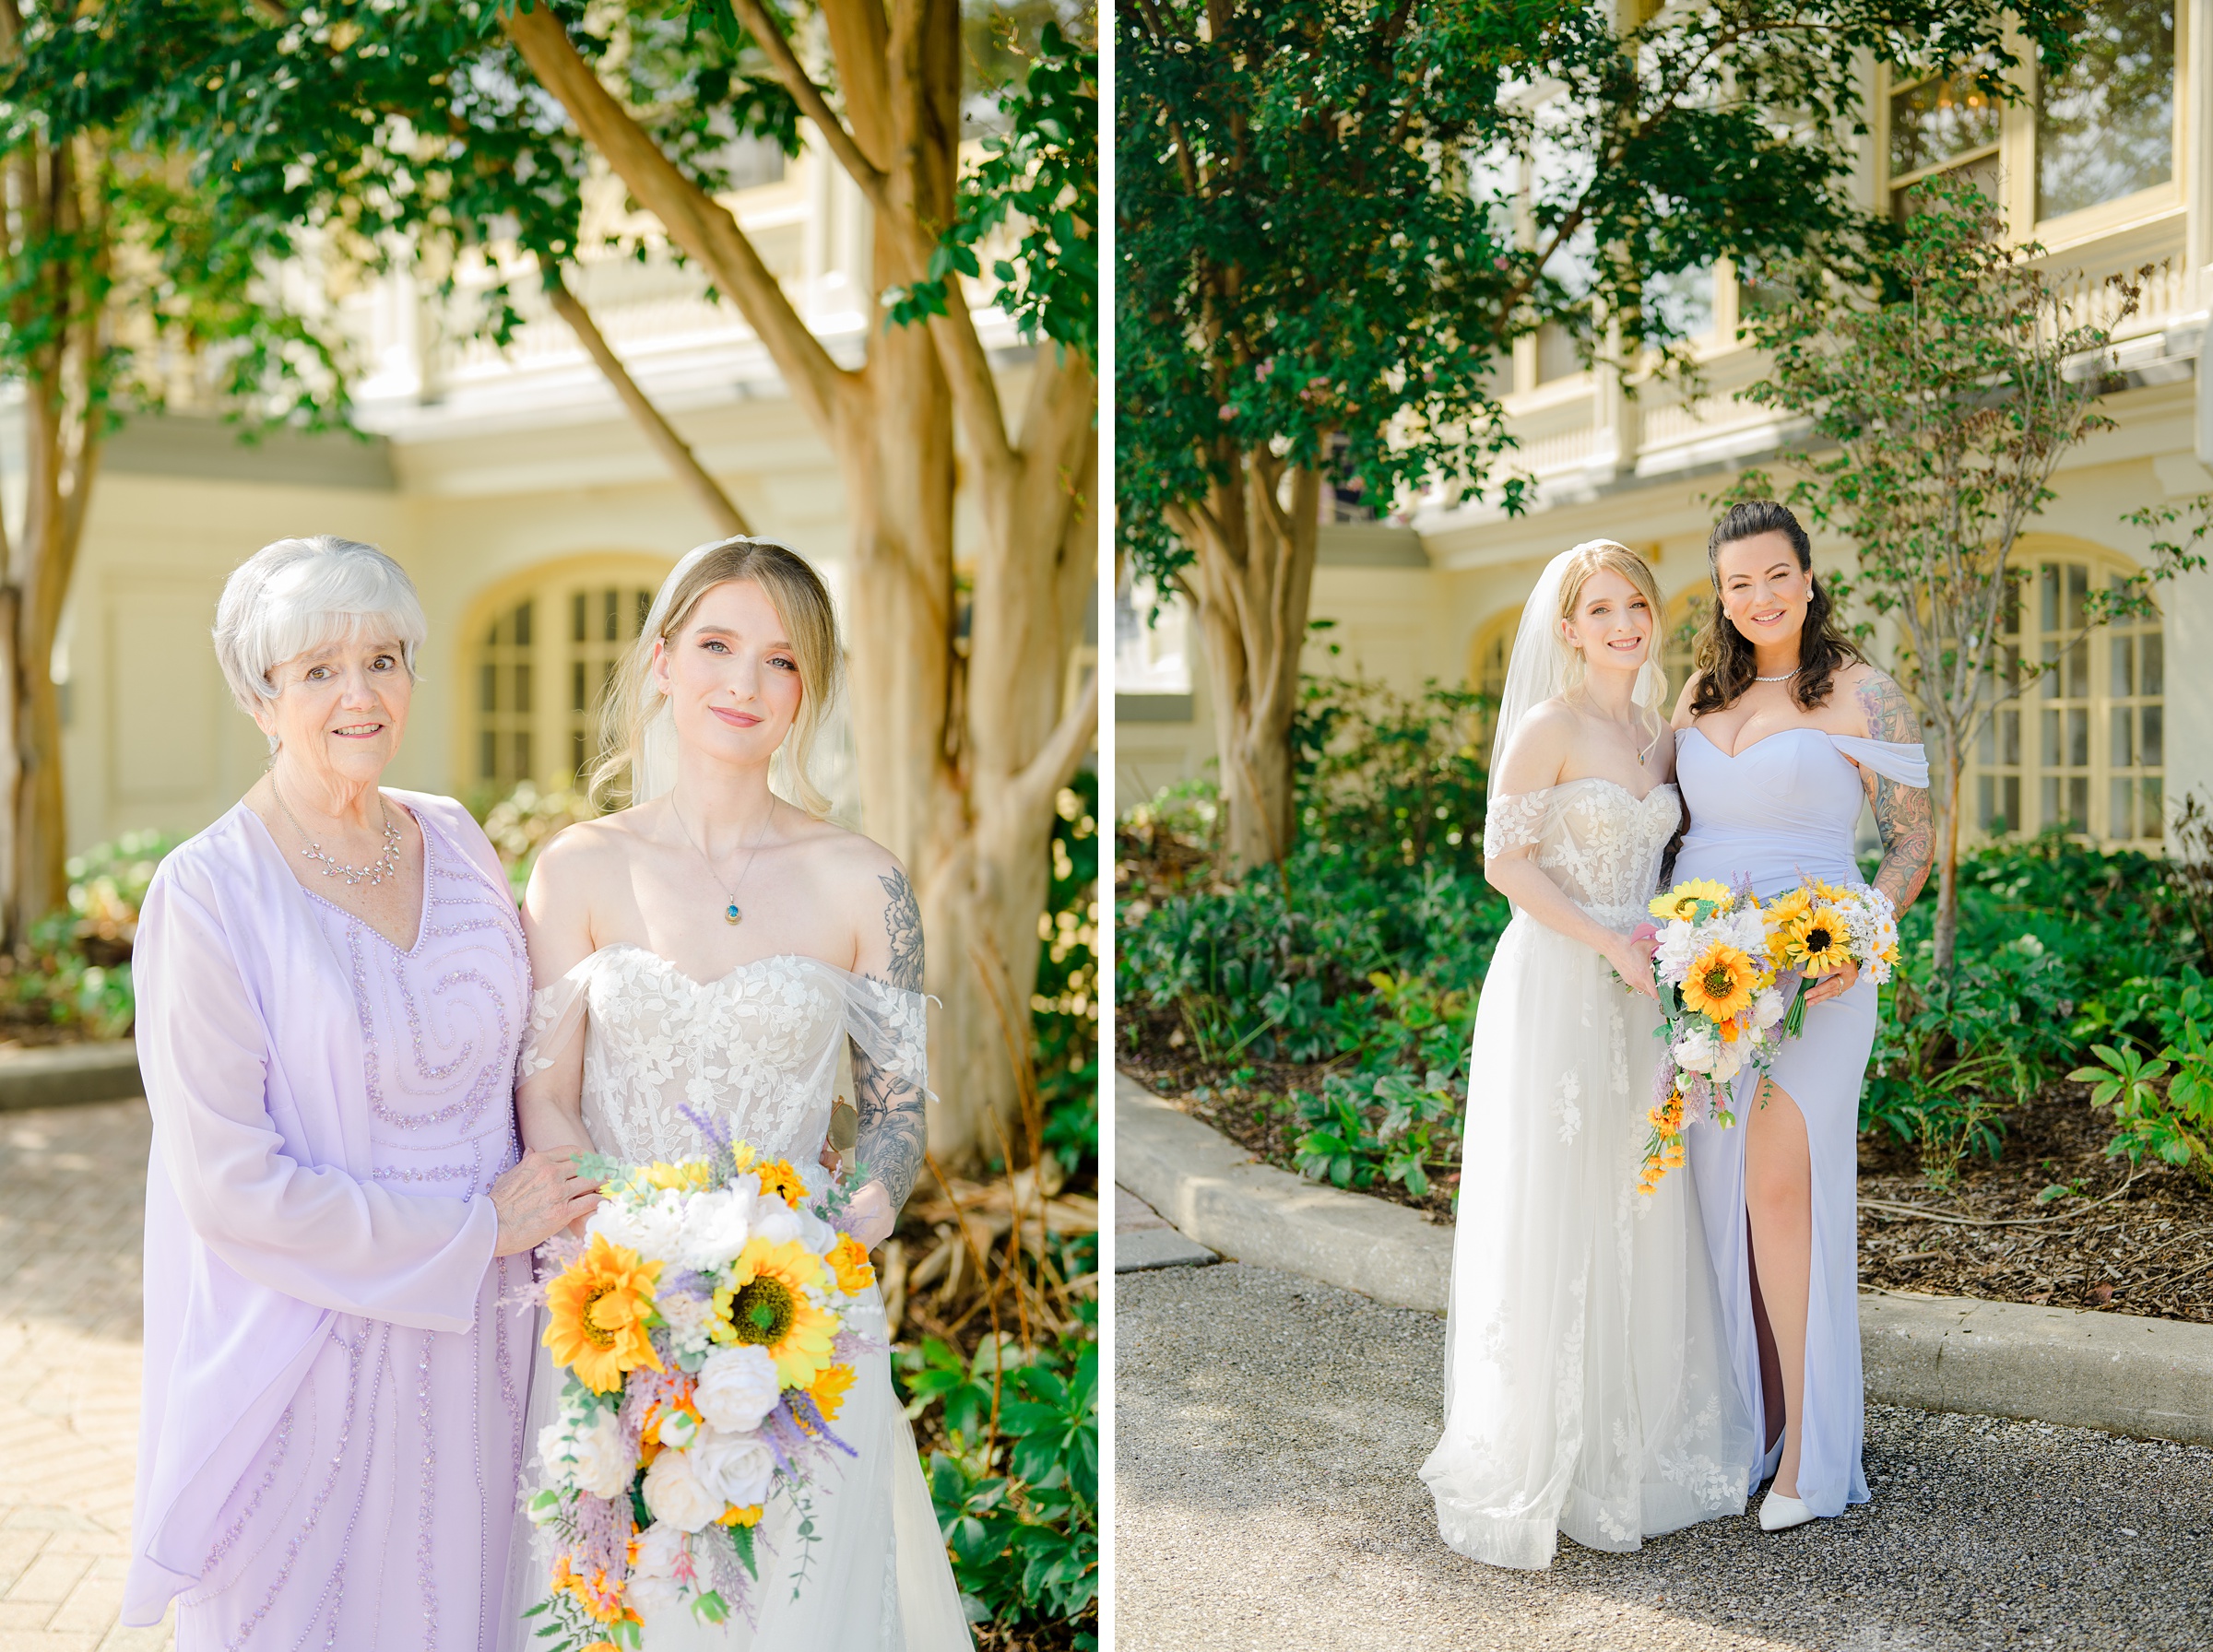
(2148, 1378)
(69, 1075)
(1215, 1194)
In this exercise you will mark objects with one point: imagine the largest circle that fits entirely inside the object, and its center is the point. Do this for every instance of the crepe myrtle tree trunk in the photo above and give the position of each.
(963, 751)
(67, 334)
(1252, 545)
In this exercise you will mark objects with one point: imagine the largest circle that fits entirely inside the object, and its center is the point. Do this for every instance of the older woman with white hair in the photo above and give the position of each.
(332, 984)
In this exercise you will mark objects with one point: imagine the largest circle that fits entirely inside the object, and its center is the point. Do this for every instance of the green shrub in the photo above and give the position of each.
(74, 970)
(1017, 1486)
(2162, 1092)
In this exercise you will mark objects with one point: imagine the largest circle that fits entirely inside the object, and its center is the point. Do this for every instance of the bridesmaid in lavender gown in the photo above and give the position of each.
(1782, 733)
(332, 985)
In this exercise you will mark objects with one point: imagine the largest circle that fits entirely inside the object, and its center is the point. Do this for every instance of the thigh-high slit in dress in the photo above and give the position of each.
(1780, 811)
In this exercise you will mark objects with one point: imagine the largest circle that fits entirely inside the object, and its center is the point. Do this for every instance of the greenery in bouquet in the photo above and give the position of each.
(1720, 1011)
(706, 1328)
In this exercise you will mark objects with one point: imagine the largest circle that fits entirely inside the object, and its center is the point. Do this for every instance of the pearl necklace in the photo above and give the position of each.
(374, 873)
(1784, 678)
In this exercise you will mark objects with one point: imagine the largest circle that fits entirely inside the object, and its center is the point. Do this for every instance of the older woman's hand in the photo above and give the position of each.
(538, 1197)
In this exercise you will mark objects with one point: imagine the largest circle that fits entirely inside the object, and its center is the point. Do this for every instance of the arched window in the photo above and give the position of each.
(1687, 611)
(1487, 656)
(2084, 747)
(542, 648)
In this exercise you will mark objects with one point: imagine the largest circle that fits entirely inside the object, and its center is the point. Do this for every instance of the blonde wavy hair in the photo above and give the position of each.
(1598, 556)
(802, 603)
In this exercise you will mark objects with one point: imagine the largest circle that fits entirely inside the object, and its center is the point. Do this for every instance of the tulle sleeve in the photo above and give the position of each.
(556, 1021)
(890, 1027)
(1516, 822)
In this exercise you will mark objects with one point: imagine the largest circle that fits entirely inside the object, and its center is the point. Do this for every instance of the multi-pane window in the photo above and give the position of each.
(506, 697)
(2082, 748)
(540, 666)
(1943, 132)
(603, 622)
(2105, 127)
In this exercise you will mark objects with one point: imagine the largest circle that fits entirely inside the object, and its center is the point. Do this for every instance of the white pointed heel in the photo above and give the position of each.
(1777, 1512)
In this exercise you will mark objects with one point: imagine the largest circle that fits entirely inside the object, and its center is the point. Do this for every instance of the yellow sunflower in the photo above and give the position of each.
(1819, 943)
(596, 1309)
(778, 1177)
(690, 1174)
(828, 1390)
(850, 1263)
(766, 1304)
(1682, 902)
(1721, 983)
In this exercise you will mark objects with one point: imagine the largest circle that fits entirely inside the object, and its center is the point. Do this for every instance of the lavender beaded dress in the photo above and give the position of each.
(373, 1509)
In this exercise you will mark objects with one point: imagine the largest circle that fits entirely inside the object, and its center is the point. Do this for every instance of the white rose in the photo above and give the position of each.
(715, 1229)
(774, 1220)
(1767, 1008)
(737, 1468)
(1679, 945)
(673, 1492)
(1696, 1050)
(587, 1452)
(653, 1586)
(647, 1224)
(815, 1233)
(737, 1388)
(1728, 1061)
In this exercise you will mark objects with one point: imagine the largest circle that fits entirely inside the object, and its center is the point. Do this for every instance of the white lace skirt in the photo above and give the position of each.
(876, 1575)
(1586, 1384)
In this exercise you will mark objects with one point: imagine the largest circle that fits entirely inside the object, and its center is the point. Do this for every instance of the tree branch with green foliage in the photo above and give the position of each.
(1325, 259)
(1934, 466)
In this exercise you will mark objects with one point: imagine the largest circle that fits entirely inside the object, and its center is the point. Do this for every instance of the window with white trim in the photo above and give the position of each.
(2083, 750)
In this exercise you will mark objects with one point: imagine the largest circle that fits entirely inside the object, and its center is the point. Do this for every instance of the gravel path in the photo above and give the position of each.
(1269, 1431)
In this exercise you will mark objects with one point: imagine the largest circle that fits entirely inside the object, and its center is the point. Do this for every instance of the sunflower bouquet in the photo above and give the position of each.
(703, 1326)
(1712, 967)
(1817, 928)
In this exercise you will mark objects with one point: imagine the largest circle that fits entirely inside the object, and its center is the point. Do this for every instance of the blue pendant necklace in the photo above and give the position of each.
(731, 914)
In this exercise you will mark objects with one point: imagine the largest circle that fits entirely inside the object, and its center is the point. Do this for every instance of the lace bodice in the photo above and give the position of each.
(758, 1046)
(1597, 839)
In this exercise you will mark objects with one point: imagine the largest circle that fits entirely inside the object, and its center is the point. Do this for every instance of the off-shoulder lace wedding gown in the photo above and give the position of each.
(1586, 1388)
(759, 1047)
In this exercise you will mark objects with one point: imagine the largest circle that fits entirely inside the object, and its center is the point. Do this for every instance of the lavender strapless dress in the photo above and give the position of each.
(1780, 811)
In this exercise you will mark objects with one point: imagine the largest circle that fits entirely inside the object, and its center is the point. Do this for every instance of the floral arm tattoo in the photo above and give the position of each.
(893, 1132)
(1901, 812)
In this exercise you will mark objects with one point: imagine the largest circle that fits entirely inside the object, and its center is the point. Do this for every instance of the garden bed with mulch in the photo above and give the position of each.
(2110, 1240)
(2052, 1221)
(1254, 1109)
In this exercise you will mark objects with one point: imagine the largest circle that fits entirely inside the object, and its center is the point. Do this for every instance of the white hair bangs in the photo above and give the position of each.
(300, 595)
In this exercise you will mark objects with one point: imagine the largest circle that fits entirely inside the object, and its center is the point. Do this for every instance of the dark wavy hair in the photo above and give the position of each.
(1722, 655)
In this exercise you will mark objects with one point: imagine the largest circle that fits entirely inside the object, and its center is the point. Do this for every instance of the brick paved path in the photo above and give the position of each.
(72, 1212)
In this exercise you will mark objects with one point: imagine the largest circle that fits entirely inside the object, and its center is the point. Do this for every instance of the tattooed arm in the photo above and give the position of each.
(1901, 812)
(893, 1130)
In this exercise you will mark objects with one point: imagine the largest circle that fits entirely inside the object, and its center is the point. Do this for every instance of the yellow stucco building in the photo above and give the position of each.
(530, 512)
(2111, 169)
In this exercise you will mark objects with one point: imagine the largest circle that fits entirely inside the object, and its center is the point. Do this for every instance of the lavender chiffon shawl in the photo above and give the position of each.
(260, 1219)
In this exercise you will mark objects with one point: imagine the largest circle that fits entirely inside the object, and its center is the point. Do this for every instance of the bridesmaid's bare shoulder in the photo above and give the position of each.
(1886, 708)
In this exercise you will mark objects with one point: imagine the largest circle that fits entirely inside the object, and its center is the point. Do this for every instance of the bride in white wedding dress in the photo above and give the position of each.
(1585, 1385)
(715, 947)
